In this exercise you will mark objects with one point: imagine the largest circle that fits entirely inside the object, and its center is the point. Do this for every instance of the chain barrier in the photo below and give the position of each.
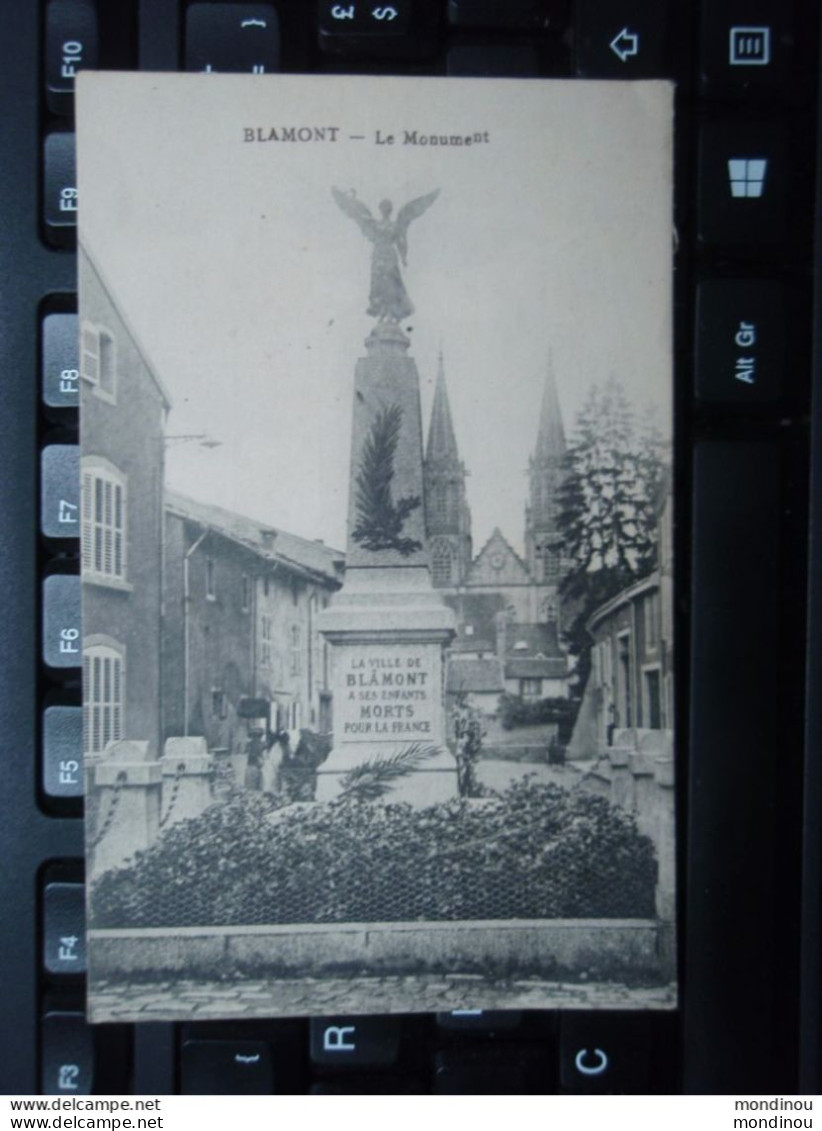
(175, 789)
(122, 778)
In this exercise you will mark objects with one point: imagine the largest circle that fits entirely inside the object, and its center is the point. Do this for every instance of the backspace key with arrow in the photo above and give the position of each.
(624, 40)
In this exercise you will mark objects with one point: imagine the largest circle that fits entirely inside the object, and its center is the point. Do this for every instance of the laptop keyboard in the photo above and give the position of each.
(746, 128)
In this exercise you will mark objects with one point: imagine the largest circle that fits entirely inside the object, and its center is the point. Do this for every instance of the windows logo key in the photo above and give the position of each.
(747, 176)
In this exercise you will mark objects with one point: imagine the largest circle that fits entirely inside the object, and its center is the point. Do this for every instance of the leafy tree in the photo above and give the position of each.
(612, 475)
(614, 471)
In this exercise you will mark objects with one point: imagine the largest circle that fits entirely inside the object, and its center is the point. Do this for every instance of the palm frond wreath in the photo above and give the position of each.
(379, 519)
(371, 780)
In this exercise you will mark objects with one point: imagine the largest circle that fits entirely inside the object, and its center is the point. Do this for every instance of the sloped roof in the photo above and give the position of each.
(550, 668)
(87, 261)
(471, 644)
(473, 675)
(498, 543)
(442, 440)
(532, 641)
(625, 596)
(269, 542)
(551, 435)
(479, 610)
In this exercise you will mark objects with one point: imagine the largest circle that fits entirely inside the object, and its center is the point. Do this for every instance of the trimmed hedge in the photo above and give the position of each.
(514, 711)
(535, 851)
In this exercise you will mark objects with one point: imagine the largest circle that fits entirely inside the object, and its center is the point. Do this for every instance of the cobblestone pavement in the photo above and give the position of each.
(246, 998)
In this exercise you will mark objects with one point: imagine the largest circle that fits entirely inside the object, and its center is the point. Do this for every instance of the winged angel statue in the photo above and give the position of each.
(388, 300)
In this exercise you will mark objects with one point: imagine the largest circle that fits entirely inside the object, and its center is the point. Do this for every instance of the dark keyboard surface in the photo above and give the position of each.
(745, 194)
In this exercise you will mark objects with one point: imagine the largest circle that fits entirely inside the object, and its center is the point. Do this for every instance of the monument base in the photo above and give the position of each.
(387, 625)
(388, 628)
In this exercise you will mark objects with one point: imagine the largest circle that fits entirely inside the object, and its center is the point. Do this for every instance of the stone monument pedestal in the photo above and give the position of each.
(388, 625)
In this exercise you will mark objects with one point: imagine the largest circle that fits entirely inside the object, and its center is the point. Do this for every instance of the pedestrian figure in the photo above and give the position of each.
(254, 765)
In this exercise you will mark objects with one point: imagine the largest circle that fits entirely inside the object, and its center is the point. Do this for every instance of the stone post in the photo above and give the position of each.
(642, 768)
(126, 780)
(188, 779)
(622, 793)
(388, 625)
(666, 840)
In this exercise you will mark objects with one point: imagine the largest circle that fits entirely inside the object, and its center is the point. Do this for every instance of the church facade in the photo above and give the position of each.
(507, 605)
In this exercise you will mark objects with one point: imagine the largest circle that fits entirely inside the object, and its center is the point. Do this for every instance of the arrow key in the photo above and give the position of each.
(628, 40)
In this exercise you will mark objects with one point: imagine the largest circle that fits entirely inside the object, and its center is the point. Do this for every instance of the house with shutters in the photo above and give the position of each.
(632, 652)
(242, 599)
(123, 409)
(630, 691)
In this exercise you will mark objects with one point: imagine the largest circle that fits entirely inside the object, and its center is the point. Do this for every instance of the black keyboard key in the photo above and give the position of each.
(59, 189)
(60, 491)
(355, 1042)
(67, 1066)
(533, 15)
(71, 45)
(740, 341)
(747, 49)
(63, 751)
(154, 1058)
(490, 1070)
(624, 40)
(62, 646)
(64, 928)
(357, 1085)
(607, 1052)
(480, 1022)
(226, 1068)
(742, 185)
(232, 37)
(60, 361)
(373, 18)
(513, 60)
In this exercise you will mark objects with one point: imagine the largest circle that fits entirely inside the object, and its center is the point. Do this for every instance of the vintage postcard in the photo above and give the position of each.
(376, 541)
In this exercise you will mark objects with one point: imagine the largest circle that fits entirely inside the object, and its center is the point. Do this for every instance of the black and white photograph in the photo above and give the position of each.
(376, 509)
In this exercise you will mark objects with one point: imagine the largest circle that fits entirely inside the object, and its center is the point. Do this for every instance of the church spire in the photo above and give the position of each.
(448, 519)
(551, 435)
(545, 472)
(442, 441)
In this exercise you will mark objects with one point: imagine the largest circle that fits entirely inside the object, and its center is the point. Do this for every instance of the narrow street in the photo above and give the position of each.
(240, 998)
(499, 774)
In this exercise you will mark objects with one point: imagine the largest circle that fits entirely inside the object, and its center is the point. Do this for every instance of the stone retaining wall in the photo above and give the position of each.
(572, 949)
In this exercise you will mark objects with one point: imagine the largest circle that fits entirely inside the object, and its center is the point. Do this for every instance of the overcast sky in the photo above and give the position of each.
(247, 286)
